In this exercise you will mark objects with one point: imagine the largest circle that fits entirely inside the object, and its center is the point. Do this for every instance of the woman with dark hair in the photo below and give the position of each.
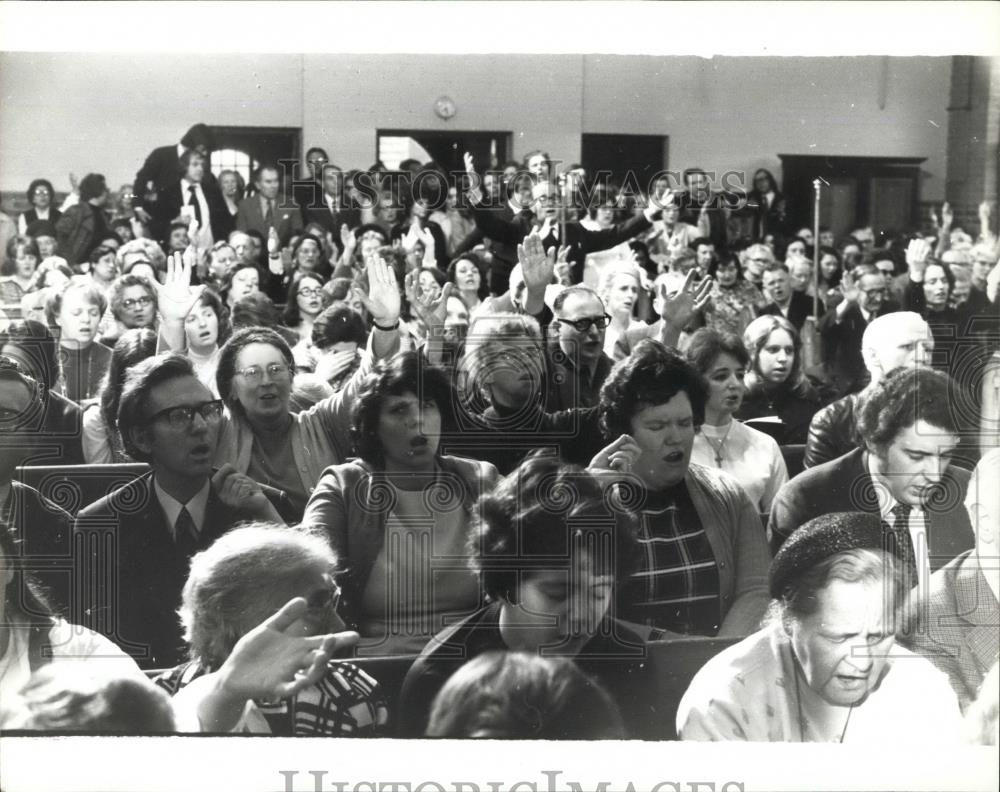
(704, 560)
(825, 667)
(33, 636)
(549, 547)
(259, 434)
(830, 275)
(305, 301)
(734, 300)
(206, 329)
(394, 513)
(18, 269)
(470, 274)
(771, 210)
(32, 345)
(520, 696)
(338, 336)
(778, 393)
(751, 457)
(40, 195)
(102, 443)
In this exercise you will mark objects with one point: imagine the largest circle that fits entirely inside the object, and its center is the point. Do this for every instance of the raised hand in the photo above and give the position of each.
(411, 238)
(678, 309)
(274, 262)
(849, 288)
(429, 246)
(621, 455)
(272, 662)
(331, 365)
(383, 300)
(563, 269)
(947, 215)
(917, 253)
(347, 239)
(474, 192)
(175, 297)
(431, 309)
(537, 264)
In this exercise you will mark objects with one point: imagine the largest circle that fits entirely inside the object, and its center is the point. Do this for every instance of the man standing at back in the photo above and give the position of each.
(141, 537)
(269, 208)
(162, 168)
(903, 473)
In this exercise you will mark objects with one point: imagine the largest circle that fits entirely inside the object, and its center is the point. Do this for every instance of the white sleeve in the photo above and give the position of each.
(96, 446)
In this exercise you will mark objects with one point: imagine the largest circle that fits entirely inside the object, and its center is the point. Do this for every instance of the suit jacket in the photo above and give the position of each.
(161, 169)
(331, 221)
(133, 570)
(800, 307)
(843, 484)
(287, 217)
(44, 531)
(511, 232)
(958, 629)
(169, 203)
(842, 346)
(567, 386)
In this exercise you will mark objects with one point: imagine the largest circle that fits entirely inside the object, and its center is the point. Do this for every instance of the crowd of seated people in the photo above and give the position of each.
(416, 453)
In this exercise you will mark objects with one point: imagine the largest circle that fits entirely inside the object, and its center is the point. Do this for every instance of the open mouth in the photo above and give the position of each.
(674, 457)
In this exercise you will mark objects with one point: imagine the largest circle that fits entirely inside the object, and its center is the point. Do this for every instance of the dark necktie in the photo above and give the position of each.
(186, 534)
(269, 216)
(901, 543)
(194, 202)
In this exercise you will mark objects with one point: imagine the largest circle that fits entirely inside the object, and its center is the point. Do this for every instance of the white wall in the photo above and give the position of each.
(106, 112)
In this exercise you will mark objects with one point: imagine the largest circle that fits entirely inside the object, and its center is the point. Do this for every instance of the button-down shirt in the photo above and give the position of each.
(196, 506)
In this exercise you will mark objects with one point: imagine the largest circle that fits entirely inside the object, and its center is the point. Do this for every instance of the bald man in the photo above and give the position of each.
(901, 338)
(958, 620)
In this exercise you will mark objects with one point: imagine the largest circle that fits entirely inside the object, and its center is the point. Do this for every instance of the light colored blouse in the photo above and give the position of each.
(748, 455)
(749, 692)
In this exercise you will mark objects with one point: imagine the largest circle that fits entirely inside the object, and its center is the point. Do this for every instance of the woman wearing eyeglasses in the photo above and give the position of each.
(304, 303)
(132, 300)
(260, 619)
(259, 433)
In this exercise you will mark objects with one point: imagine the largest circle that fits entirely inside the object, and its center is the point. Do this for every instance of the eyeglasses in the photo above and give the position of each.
(324, 599)
(142, 302)
(310, 292)
(255, 374)
(583, 325)
(873, 292)
(182, 416)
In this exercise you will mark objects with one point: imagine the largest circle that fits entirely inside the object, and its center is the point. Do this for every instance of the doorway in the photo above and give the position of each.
(881, 192)
(642, 156)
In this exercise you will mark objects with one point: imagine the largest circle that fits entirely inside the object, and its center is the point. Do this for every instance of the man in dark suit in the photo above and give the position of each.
(331, 210)
(575, 363)
(784, 301)
(138, 540)
(958, 627)
(842, 328)
(193, 198)
(543, 214)
(900, 338)
(268, 208)
(41, 526)
(162, 168)
(901, 473)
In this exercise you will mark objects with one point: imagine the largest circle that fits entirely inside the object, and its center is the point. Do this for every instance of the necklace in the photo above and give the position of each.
(722, 444)
(802, 717)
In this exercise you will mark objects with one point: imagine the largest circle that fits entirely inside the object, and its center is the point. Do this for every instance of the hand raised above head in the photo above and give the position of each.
(176, 296)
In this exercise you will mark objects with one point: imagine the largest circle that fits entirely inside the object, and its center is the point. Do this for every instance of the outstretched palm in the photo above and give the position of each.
(176, 296)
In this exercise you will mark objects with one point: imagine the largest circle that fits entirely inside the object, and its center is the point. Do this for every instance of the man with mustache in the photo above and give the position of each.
(142, 536)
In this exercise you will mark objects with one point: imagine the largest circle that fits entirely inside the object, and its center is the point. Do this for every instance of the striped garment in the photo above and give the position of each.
(676, 585)
(347, 702)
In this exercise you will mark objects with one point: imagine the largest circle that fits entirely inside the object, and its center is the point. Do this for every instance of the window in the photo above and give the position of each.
(233, 159)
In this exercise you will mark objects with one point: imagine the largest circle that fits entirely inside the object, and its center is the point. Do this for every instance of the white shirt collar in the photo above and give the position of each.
(196, 506)
(886, 501)
(180, 150)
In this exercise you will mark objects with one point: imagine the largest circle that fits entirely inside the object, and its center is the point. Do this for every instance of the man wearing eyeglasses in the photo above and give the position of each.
(576, 365)
(842, 328)
(42, 526)
(143, 535)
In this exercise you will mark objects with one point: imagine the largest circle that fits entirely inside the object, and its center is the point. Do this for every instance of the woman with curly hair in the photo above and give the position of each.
(778, 393)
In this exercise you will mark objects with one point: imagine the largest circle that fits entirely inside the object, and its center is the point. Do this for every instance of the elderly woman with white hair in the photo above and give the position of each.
(825, 668)
(620, 288)
(259, 611)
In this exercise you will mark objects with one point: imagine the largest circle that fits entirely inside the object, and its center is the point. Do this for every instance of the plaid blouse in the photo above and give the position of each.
(676, 585)
(347, 702)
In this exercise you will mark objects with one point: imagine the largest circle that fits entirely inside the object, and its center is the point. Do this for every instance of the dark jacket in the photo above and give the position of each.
(843, 484)
(832, 432)
(799, 308)
(795, 408)
(133, 570)
(568, 386)
(169, 203)
(62, 430)
(161, 169)
(841, 342)
(78, 231)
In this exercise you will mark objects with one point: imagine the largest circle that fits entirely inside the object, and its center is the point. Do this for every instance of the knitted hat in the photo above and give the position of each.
(821, 538)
